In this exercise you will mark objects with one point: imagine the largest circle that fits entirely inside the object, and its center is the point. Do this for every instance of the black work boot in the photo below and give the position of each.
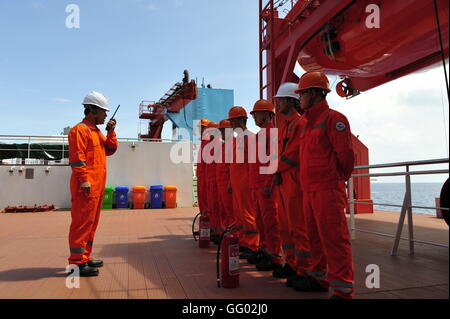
(256, 258)
(243, 249)
(87, 271)
(308, 284)
(285, 272)
(245, 252)
(95, 263)
(292, 279)
(267, 264)
(248, 254)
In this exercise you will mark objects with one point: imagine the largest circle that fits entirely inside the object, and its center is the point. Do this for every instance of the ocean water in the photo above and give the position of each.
(423, 194)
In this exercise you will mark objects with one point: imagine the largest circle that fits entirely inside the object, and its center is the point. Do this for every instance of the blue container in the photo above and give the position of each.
(156, 195)
(122, 196)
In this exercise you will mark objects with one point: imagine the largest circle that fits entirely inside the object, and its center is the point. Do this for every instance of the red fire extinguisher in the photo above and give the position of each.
(228, 260)
(204, 230)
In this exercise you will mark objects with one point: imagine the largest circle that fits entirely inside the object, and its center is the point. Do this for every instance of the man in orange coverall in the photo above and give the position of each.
(223, 174)
(239, 171)
(88, 149)
(201, 177)
(292, 222)
(261, 175)
(211, 155)
(326, 162)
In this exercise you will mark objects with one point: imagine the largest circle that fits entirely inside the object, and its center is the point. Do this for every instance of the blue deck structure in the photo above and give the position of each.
(212, 104)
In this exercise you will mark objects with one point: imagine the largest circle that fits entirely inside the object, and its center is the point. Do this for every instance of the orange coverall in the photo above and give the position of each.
(327, 161)
(212, 196)
(265, 207)
(293, 232)
(201, 180)
(242, 199)
(222, 180)
(88, 149)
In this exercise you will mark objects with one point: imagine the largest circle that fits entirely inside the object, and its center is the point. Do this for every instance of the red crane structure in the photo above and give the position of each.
(365, 42)
(173, 101)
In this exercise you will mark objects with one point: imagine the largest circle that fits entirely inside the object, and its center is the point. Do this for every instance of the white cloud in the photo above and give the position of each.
(403, 120)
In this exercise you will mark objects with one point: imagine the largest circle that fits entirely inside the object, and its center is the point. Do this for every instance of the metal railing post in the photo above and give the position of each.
(29, 145)
(409, 211)
(401, 221)
(352, 209)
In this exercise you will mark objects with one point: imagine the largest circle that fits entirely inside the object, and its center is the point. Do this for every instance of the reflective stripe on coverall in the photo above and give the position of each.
(242, 199)
(327, 161)
(293, 232)
(88, 149)
(265, 207)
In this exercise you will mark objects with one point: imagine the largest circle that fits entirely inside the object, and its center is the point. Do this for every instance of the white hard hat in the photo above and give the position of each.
(288, 90)
(97, 99)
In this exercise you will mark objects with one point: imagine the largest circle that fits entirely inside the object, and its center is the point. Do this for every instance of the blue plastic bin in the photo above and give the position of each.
(156, 196)
(122, 196)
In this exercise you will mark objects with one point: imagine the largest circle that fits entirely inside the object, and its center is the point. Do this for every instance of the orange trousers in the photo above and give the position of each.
(331, 250)
(202, 192)
(268, 225)
(85, 216)
(245, 213)
(226, 206)
(293, 230)
(214, 209)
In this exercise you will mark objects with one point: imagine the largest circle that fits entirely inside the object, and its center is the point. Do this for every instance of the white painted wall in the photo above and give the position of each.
(43, 189)
(148, 163)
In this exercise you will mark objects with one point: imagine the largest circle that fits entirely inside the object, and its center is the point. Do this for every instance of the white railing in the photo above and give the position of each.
(407, 201)
(61, 140)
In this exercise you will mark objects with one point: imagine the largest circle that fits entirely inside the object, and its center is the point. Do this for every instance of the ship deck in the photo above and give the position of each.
(151, 254)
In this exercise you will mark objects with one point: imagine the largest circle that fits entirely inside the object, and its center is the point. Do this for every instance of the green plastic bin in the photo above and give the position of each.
(108, 198)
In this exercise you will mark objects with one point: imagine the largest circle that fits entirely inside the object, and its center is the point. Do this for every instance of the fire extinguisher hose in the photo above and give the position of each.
(195, 233)
(219, 246)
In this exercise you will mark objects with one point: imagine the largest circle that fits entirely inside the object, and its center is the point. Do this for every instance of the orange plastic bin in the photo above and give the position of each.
(139, 197)
(170, 196)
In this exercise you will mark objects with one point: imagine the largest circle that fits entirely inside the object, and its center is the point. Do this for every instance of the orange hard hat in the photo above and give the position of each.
(236, 111)
(225, 124)
(204, 122)
(213, 125)
(263, 105)
(314, 79)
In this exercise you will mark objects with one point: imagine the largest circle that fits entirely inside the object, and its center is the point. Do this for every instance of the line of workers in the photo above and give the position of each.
(290, 220)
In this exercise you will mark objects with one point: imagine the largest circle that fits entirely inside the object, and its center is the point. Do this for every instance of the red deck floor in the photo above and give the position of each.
(151, 254)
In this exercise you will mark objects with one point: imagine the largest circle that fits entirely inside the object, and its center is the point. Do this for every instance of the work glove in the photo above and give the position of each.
(86, 187)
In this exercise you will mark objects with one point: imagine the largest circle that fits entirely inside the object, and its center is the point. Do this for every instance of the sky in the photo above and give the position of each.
(133, 50)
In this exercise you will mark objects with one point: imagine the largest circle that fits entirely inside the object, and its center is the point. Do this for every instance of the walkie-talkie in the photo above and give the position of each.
(107, 126)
